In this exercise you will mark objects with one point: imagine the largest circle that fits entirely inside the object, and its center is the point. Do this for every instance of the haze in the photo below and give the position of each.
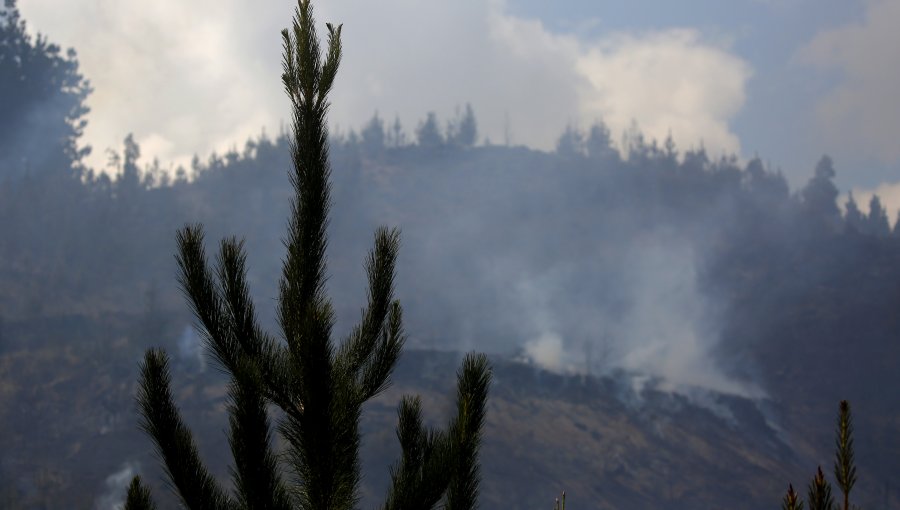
(788, 79)
(678, 219)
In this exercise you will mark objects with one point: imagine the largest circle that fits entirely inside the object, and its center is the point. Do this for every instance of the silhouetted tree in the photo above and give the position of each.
(319, 387)
(670, 152)
(180, 176)
(696, 161)
(161, 176)
(853, 217)
(464, 131)
(232, 156)
(372, 135)
(599, 143)
(42, 98)
(634, 146)
(397, 136)
(428, 134)
(570, 143)
(819, 196)
(770, 187)
(877, 220)
(129, 180)
(754, 173)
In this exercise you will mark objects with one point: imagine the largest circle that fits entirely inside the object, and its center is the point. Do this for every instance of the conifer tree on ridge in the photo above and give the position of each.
(319, 386)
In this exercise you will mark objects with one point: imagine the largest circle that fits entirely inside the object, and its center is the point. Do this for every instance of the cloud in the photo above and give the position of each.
(861, 112)
(888, 193)
(192, 77)
(185, 77)
(666, 81)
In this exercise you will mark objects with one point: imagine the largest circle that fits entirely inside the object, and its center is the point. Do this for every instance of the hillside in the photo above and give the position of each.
(709, 280)
(606, 445)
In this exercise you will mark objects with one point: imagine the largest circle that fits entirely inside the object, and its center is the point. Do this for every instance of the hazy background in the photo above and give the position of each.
(634, 193)
(788, 79)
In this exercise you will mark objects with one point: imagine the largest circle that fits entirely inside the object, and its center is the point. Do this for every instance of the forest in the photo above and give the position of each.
(691, 319)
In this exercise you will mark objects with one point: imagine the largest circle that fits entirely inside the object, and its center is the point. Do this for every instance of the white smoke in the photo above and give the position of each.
(547, 351)
(190, 350)
(662, 330)
(113, 498)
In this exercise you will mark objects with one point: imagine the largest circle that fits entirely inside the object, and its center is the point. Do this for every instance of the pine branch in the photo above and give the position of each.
(420, 478)
(844, 468)
(308, 53)
(377, 370)
(380, 266)
(819, 493)
(196, 282)
(791, 500)
(138, 497)
(473, 380)
(255, 474)
(259, 352)
(329, 69)
(232, 273)
(196, 488)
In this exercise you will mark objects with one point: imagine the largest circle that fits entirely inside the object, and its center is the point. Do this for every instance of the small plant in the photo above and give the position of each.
(791, 500)
(819, 494)
(560, 502)
(844, 469)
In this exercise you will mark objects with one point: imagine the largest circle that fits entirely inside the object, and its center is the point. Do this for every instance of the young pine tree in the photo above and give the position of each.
(319, 386)
(819, 492)
(844, 467)
(791, 500)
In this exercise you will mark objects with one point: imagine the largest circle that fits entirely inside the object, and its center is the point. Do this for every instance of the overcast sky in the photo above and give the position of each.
(786, 79)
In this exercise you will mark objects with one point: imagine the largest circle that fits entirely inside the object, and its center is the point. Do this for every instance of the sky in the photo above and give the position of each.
(788, 80)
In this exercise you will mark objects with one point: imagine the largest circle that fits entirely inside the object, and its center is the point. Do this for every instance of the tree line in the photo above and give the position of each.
(331, 379)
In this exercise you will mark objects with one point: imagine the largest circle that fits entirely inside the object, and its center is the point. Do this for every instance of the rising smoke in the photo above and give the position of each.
(191, 350)
(113, 497)
(577, 272)
(658, 325)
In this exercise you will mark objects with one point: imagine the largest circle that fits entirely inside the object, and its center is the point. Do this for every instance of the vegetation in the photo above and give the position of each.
(791, 500)
(320, 388)
(819, 495)
(797, 278)
(46, 94)
(819, 491)
(560, 503)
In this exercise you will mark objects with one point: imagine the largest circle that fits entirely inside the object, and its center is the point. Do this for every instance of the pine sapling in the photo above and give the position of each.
(844, 468)
(319, 386)
(819, 494)
(791, 500)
